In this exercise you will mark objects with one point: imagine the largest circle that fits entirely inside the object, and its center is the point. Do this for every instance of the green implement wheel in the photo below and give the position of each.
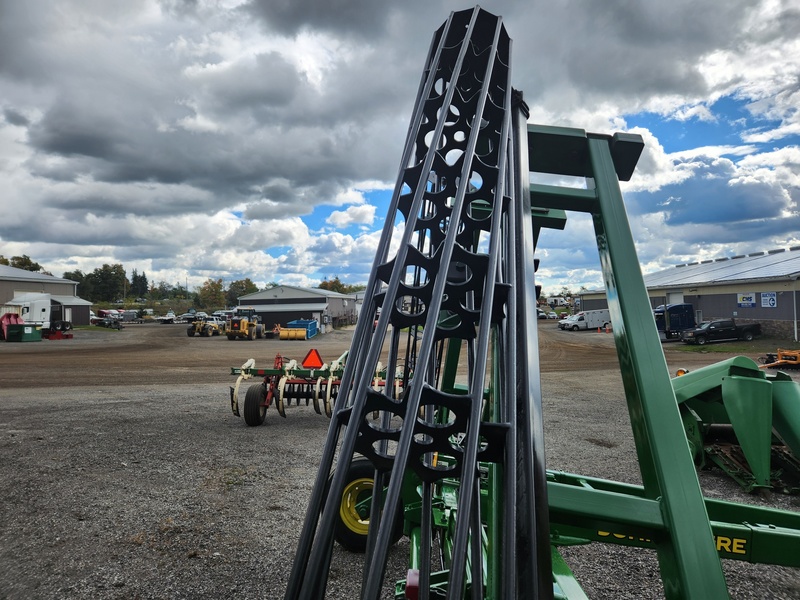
(352, 523)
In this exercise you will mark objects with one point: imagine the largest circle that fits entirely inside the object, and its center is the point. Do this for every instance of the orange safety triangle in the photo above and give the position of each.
(312, 360)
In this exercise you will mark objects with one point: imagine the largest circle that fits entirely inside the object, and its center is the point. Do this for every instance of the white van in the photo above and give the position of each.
(587, 319)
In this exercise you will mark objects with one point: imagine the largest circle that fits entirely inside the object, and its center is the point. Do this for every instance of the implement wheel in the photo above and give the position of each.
(254, 408)
(351, 526)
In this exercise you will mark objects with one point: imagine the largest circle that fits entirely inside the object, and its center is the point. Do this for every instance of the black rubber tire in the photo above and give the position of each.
(254, 411)
(700, 340)
(348, 538)
(231, 337)
(190, 331)
(259, 331)
(67, 325)
(251, 333)
(748, 336)
(574, 328)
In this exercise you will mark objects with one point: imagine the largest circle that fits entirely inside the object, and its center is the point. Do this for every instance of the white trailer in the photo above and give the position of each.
(587, 319)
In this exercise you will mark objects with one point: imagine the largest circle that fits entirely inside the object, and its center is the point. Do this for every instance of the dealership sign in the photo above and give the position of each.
(746, 300)
(769, 299)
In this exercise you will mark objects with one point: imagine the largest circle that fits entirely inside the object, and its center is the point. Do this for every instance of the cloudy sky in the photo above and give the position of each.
(191, 139)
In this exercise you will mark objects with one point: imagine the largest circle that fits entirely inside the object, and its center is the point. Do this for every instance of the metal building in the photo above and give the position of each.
(759, 287)
(285, 303)
(65, 303)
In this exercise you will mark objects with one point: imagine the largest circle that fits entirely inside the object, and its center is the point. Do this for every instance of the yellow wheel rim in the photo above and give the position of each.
(354, 492)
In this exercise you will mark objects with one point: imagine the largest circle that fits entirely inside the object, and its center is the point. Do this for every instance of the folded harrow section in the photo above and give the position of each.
(448, 258)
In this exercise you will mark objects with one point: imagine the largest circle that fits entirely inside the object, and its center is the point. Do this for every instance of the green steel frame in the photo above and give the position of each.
(672, 502)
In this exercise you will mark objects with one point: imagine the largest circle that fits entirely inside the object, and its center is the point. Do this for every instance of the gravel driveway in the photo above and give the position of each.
(125, 475)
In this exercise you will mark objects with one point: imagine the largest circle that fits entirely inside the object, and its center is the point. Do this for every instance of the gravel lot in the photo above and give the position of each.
(125, 475)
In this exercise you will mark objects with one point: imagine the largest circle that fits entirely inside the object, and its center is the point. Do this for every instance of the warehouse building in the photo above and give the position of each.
(761, 287)
(17, 286)
(285, 303)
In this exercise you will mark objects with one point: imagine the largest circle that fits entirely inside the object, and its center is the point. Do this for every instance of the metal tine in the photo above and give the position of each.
(466, 504)
(535, 571)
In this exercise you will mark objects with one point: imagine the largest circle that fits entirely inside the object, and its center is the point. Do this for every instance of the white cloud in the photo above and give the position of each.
(352, 215)
(184, 138)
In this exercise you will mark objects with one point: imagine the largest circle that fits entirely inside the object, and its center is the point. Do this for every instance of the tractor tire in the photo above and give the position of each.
(351, 529)
(700, 340)
(259, 331)
(748, 336)
(231, 337)
(251, 333)
(190, 331)
(254, 409)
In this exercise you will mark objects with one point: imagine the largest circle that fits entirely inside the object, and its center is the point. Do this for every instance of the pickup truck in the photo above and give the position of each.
(719, 330)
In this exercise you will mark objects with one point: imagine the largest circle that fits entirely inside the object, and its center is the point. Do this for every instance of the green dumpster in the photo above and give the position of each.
(23, 333)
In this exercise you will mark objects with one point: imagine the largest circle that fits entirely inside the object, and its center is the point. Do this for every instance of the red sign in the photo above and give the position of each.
(312, 360)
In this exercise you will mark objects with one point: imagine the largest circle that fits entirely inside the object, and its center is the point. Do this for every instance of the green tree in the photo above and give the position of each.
(162, 290)
(335, 285)
(108, 283)
(139, 285)
(84, 284)
(211, 294)
(238, 288)
(23, 262)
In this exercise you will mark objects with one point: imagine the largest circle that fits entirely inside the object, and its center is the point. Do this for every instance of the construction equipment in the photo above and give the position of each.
(244, 325)
(206, 327)
(460, 452)
(310, 380)
(744, 421)
(783, 359)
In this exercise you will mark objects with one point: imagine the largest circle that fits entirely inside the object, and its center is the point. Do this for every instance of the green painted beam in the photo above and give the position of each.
(690, 567)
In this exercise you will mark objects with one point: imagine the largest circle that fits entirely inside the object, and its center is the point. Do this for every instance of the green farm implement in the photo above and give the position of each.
(457, 455)
(744, 421)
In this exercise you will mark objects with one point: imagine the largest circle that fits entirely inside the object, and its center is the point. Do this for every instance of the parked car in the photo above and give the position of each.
(720, 330)
(108, 322)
